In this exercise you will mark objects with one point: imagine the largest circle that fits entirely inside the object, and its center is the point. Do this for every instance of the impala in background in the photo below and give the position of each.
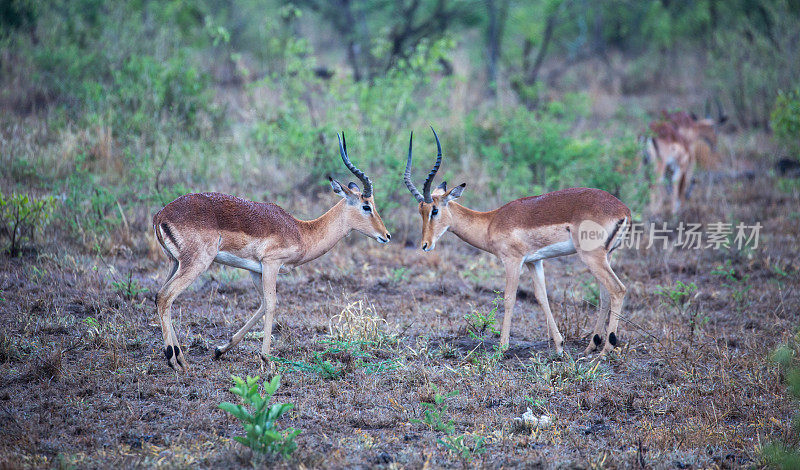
(679, 142)
(198, 229)
(589, 222)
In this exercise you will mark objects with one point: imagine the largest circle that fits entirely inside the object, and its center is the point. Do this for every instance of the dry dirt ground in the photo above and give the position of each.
(84, 382)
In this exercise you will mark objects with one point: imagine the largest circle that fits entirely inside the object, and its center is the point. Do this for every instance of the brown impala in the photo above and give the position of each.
(198, 229)
(585, 221)
(681, 141)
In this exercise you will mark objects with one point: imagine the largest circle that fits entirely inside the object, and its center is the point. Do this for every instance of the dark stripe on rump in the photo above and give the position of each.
(613, 235)
(169, 234)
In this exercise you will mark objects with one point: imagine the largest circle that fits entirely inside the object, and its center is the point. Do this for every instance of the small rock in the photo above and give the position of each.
(530, 421)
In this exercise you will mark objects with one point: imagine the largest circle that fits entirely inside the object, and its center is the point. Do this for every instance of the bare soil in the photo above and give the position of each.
(83, 380)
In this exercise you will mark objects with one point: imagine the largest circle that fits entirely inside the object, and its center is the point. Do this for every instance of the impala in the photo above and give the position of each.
(681, 142)
(198, 229)
(589, 222)
(668, 149)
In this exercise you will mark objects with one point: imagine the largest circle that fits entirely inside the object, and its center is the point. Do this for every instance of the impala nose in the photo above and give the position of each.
(425, 246)
(388, 236)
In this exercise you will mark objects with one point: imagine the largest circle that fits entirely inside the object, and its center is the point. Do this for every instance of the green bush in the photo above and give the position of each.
(22, 216)
(750, 61)
(89, 207)
(99, 63)
(785, 121)
(532, 152)
(259, 419)
(148, 90)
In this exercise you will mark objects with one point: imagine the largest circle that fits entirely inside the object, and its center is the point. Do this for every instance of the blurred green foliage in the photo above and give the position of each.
(142, 101)
(785, 121)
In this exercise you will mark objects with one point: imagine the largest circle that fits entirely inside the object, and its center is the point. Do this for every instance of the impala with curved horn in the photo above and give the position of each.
(589, 222)
(198, 229)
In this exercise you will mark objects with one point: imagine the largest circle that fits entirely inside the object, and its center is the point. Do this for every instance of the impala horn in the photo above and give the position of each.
(359, 174)
(407, 174)
(426, 188)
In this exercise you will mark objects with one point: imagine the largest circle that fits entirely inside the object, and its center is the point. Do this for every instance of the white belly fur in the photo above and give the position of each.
(551, 251)
(223, 257)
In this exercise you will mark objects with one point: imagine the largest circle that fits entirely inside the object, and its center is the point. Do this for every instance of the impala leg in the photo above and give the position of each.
(239, 335)
(540, 291)
(677, 189)
(513, 268)
(597, 262)
(600, 323)
(189, 267)
(657, 187)
(269, 285)
(687, 182)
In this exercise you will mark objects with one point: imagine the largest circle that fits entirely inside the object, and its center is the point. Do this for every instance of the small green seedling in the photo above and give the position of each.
(259, 419)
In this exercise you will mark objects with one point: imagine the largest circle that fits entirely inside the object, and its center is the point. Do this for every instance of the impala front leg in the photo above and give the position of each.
(259, 281)
(513, 268)
(540, 291)
(269, 281)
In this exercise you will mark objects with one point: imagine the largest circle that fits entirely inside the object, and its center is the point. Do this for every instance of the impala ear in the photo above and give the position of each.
(354, 187)
(454, 193)
(441, 189)
(352, 198)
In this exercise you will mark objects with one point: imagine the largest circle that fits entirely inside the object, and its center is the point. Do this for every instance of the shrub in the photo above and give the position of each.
(90, 207)
(750, 62)
(785, 121)
(22, 216)
(96, 62)
(259, 419)
(532, 152)
(129, 288)
(480, 323)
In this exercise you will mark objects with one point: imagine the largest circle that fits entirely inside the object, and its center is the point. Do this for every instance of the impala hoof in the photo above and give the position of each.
(175, 358)
(217, 353)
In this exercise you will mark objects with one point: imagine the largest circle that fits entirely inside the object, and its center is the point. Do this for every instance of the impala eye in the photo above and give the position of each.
(435, 210)
(367, 208)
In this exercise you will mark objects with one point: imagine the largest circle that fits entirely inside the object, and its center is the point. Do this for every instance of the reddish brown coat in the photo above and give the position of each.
(567, 206)
(223, 212)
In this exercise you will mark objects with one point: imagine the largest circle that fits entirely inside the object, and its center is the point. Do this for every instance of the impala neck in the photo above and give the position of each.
(321, 234)
(471, 226)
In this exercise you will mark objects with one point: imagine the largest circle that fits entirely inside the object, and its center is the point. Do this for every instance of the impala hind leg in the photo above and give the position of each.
(601, 321)
(540, 291)
(597, 262)
(678, 186)
(513, 268)
(188, 268)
